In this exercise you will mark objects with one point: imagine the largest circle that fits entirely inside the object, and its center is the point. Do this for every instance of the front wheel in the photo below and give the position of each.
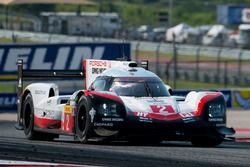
(83, 120)
(207, 141)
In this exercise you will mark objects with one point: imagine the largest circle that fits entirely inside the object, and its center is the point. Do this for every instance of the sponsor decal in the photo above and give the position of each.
(215, 119)
(96, 63)
(46, 113)
(92, 113)
(220, 125)
(59, 56)
(103, 124)
(68, 109)
(143, 119)
(142, 114)
(98, 70)
(187, 117)
(40, 92)
(113, 119)
(155, 101)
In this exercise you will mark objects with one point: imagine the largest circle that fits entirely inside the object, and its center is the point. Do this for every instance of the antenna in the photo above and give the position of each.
(123, 46)
(124, 57)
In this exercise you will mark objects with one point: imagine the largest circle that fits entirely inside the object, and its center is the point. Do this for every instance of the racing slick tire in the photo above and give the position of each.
(83, 120)
(28, 118)
(28, 122)
(207, 141)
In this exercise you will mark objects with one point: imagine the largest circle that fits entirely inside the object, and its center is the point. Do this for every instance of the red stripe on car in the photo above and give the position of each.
(84, 73)
(105, 95)
(47, 123)
(204, 101)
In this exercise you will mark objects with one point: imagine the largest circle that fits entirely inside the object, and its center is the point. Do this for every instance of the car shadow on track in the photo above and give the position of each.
(120, 143)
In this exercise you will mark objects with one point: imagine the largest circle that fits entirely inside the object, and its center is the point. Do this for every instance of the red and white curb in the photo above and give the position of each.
(242, 134)
(36, 164)
(242, 139)
(242, 130)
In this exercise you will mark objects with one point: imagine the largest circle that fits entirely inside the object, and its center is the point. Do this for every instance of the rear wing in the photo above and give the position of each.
(23, 74)
(93, 68)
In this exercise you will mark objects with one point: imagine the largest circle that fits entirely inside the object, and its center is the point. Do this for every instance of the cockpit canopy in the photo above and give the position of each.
(131, 86)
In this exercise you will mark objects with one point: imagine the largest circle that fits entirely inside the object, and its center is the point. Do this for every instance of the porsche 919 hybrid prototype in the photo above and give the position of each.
(122, 101)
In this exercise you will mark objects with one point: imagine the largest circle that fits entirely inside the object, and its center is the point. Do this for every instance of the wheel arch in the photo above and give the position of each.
(25, 93)
(77, 96)
(39, 92)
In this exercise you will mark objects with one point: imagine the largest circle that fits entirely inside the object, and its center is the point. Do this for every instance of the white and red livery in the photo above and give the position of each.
(123, 101)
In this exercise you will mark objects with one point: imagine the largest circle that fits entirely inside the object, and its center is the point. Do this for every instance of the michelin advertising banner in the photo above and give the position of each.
(241, 99)
(52, 57)
(8, 102)
(58, 56)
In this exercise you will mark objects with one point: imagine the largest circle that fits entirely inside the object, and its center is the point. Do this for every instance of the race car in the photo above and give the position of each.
(122, 101)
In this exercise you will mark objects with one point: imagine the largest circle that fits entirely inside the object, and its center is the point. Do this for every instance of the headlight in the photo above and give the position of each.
(216, 110)
(108, 109)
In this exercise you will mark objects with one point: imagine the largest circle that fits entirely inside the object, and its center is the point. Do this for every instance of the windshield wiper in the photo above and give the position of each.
(148, 90)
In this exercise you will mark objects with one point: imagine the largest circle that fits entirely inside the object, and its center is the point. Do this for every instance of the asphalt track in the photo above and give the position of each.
(14, 146)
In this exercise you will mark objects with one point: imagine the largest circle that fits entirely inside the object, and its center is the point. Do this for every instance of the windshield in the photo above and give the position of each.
(139, 89)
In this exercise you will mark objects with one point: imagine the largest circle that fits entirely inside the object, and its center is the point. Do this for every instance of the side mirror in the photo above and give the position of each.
(169, 89)
(91, 89)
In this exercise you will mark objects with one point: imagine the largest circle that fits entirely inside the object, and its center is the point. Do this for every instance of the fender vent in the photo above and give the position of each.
(132, 64)
(51, 92)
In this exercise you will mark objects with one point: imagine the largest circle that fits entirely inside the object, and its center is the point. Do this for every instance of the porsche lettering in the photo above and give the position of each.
(96, 63)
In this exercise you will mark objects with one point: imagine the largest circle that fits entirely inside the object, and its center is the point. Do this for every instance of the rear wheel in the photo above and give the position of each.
(28, 122)
(83, 120)
(28, 118)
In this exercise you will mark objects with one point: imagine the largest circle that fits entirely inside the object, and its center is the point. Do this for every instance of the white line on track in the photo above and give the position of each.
(27, 163)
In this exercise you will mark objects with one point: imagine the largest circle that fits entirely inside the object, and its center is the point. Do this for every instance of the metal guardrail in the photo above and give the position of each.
(238, 75)
(184, 49)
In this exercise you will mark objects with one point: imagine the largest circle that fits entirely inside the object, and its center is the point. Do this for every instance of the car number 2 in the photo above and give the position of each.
(162, 109)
